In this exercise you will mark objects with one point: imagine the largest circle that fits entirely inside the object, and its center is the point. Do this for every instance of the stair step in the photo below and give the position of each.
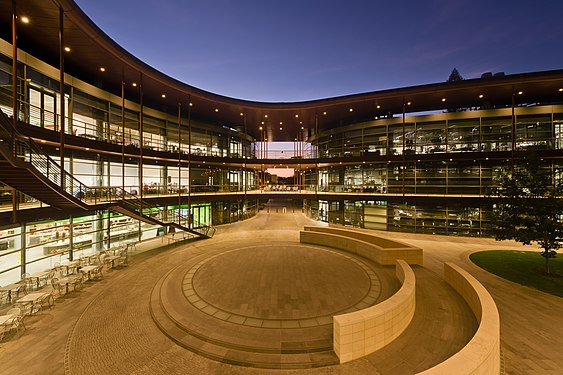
(291, 355)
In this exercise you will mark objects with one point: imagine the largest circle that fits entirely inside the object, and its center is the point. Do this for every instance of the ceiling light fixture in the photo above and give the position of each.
(25, 19)
(102, 69)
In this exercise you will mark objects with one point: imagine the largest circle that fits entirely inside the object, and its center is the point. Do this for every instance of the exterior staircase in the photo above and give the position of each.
(25, 167)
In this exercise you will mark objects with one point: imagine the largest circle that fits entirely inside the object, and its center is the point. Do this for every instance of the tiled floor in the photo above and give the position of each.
(108, 329)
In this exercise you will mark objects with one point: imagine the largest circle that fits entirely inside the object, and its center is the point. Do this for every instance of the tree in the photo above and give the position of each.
(455, 76)
(529, 207)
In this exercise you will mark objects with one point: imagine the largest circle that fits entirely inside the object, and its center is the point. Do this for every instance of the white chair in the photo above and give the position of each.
(17, 320)
(58, 288)
(96, 273)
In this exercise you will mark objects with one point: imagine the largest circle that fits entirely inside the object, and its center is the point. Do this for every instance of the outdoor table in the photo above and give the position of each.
(66, 281)
(112, 259)
(31, 298)
(38, 276)
(11, 288)
(87, 270)
(71, 265)
(4, 319)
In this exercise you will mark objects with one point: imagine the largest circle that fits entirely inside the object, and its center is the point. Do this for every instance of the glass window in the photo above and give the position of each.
(463, 135)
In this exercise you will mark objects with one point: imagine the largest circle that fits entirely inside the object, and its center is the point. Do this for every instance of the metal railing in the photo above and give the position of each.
(30, 152)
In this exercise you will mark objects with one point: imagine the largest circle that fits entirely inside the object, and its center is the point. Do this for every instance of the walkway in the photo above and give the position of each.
(108, 329)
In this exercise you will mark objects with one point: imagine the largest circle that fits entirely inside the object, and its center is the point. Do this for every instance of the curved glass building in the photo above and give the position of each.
(99, 149)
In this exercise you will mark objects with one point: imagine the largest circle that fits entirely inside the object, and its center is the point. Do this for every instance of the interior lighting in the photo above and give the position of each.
(25, 19)
(67, 49)
(324, 113)
(378, 106)
(260, 128)
(296, 116)
(134, 84)
(561, 90)
(281, 122)
(409, 103)
(351, 109)
(520, 92)
(242, 114)
(281, 128)
(163, 96)
(481, 96)
(266, 116)
(191, 104)
(216, 109)
(443, 99)
(102, 69)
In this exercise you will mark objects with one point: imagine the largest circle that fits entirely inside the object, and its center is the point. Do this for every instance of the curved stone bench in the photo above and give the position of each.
(363, 332)
(481, 355)
(380, 250)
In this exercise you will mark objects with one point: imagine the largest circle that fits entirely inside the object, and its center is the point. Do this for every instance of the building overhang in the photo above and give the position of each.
(91, 49)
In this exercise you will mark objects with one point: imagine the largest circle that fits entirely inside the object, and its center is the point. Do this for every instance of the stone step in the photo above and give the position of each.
(288, 355)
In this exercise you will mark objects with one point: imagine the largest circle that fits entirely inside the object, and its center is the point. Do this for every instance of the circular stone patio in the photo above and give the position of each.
(265, 306)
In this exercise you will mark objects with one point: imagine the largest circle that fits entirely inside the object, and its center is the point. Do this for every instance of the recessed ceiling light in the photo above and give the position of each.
(378, 107)
(134, 84)
(302, 128)
(242, 114)
(481, 96)
(520, 92)
(25, 19)
(163, 96)
(102, 69)
(351, 110)
(561, 90)
(216, 109)
(191, 104)
(281, 122)
(324, 113)
(67, 49)
(260, 128)
(281, 128)
(409, 103)
(296, 116)
(443, 99)
(266, 116)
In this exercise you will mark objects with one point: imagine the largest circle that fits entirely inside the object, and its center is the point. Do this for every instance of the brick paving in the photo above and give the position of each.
(107, 328)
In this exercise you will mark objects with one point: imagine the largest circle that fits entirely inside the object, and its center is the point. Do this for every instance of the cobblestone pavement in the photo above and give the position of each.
(107, 328)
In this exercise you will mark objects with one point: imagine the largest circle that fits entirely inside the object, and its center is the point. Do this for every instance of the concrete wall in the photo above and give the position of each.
(482, 354)
(363, 332)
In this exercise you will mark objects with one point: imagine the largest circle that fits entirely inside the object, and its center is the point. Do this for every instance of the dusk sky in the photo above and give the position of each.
(299, 50)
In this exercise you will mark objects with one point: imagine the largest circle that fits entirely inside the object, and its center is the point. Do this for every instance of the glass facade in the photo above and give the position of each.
(420, 172)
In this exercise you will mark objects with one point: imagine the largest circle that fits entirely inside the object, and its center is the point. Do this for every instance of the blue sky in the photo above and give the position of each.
(300, 50)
